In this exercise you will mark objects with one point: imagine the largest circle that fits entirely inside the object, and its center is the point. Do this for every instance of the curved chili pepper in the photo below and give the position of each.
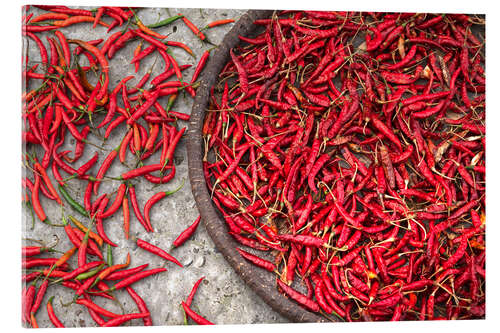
(136, 277)
(196, 317)
(116, 204)
(52, 316)
(186, 234)
(102, 61)
(141, 305)
(257, 260)
(300, 298)
(104, 167)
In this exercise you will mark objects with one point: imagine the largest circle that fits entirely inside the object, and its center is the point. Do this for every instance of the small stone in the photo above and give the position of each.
(178, 159)
(188, 261)
(200, 261)
(228, 289)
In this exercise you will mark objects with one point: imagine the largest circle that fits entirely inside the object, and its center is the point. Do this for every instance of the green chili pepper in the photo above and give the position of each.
(165, 21)
(109, 257)
(171, 101)
(89, 274)
(76, 206)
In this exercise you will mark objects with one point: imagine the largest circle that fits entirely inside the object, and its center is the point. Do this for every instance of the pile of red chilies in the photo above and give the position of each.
(64, 101)
(349, 159)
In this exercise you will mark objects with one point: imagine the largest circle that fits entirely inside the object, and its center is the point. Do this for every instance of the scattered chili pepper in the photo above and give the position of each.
(186, 234)
(156, 250)
(52, 316)
(195, 316)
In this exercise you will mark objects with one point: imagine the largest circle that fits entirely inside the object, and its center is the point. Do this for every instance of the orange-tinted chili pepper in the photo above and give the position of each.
(49, 16)
(192, 27)
(181, 45)
(147, 30)
(217, 23)
(77, 19)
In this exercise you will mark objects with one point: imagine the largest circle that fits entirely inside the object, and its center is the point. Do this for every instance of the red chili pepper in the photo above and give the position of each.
(386, 131)
(77, 19)
(117, 203)
(124, 318)
(121, 274)
(99, 222)
(181, 45)
(193, 27)
(218, 22)
(256, 260)
(104, 167)
(37, 207)
(92, 246)
(242, 75)
(39, 297)
(307, 240)
(141, 305)
(82, 269)
(35, 28)
(38, 168)
(186, 234)
(52, 316)
(126, 217)
(159, 45)
(136, 277)
(43, 50)
(201, 64)
(89, 304)
(81, 171)
(156, 250)
(96, 317)
(298, 297)
(190, 297)
(315, 169)
(196, 317)
(144, 107)
(28, 302)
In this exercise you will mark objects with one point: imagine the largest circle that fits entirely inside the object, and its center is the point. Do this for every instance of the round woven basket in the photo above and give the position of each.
(261, 281)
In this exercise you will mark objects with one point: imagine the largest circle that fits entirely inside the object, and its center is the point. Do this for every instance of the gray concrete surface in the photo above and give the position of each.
(222, 298)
